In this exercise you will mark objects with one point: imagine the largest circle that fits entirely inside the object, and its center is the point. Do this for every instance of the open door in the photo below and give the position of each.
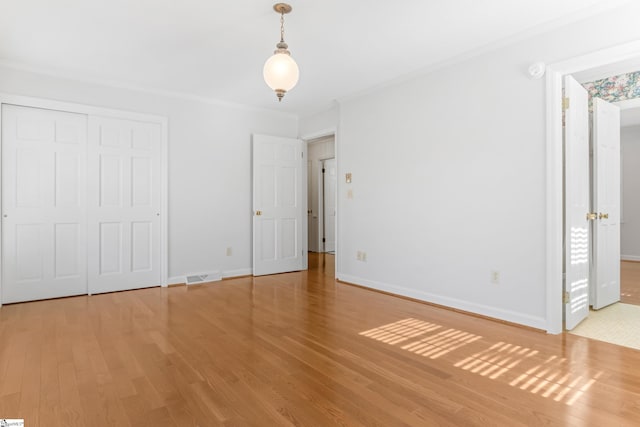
(605, 271)
(576, 199)
(330, 183)
(278, 205)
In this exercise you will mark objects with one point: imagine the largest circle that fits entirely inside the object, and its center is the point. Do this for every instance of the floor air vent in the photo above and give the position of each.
(203, 278)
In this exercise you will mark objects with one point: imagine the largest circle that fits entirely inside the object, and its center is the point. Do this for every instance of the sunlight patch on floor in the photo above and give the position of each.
(546, 377)
(521, 367)
(433, 346)
(396, 332)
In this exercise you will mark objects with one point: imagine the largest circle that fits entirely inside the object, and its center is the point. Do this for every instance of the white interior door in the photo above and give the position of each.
(330, 175)
(312, 242)
(606, 202)
(278, 205)
(43, 204)
(124, 204)
(576, 194)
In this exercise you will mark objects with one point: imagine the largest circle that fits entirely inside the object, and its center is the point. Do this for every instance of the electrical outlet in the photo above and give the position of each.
(229, 251)
(495, 277)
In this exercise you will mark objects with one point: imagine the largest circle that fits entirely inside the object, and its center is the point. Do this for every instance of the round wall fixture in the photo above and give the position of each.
(537, 70)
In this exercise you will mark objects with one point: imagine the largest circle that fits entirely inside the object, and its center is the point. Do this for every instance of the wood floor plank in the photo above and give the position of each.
(299, 349)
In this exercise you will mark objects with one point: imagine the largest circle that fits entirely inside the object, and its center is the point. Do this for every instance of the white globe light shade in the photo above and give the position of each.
(281, 72)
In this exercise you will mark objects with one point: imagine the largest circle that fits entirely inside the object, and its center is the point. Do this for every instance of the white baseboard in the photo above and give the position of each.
(630, 257)
(237, 273)
(483, 310)
(176, 280)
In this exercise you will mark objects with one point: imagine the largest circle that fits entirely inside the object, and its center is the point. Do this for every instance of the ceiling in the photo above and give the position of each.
(609, 70)
(216, 49)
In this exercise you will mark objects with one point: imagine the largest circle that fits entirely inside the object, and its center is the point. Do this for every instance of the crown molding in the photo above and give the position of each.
(529, 33)
(116, 84)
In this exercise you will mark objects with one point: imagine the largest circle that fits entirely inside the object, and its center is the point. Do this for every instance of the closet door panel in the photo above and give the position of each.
(124, 204)
(44, 241)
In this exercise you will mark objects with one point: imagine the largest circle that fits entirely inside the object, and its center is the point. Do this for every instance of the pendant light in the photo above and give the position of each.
(281, 71)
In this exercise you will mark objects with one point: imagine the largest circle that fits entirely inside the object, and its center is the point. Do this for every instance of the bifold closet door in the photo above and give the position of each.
(124, 204)
(43, 204)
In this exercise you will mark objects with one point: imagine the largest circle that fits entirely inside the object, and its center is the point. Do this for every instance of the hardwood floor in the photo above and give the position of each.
(630, 282)
(298, 349)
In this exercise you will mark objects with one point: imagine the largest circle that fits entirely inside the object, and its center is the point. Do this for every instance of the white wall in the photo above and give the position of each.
(630, 230)
(320, 149)
(449, 175)
(209, 166)
(323, 122)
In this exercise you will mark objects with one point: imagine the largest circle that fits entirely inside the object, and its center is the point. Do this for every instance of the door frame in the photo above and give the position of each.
(319, 134)
(48, 104)
(554, 163)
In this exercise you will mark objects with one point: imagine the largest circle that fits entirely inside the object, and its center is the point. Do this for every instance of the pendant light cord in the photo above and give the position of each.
(282, 27)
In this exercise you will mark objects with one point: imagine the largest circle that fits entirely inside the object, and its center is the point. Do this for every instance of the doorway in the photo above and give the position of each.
(617, 57)
(630, 202)
(328, 211)
(617, 320)
(322, 192)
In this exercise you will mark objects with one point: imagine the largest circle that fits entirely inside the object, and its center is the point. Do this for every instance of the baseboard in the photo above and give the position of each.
(482, 310)
(176, 280)
(237, 273)
(629, 257)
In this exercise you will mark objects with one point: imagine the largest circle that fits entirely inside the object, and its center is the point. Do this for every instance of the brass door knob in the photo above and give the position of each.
(592, 216)
(604, 215)
(258, 213)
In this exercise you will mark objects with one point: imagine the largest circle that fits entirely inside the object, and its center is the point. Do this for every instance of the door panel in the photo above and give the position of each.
(142, 246)
(67, 172)
(44, 203)
(577, 205)
(28, 253)
(66, 251)
(142, 179)
(606, 202)
(124, 204)
(110, 185)
(277, 204)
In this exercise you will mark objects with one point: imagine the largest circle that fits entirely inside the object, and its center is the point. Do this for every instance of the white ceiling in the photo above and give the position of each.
(216, 49)
(609, 70)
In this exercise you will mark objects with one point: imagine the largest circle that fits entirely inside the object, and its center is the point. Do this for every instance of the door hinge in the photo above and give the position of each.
(324, 240)
(566, 298)
(302, 155)
(565, 104)
(322, 170)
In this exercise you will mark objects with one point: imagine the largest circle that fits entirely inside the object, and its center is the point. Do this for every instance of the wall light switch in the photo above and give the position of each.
(347, 178)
